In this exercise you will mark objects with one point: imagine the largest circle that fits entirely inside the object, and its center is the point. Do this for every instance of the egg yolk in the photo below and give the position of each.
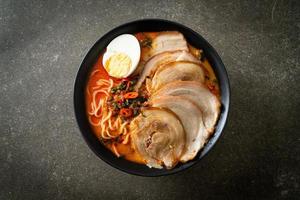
(118, 65)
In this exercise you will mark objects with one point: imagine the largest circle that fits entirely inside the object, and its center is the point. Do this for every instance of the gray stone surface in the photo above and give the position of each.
(42, 154)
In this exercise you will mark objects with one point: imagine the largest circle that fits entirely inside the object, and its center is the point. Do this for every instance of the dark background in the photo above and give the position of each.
(42, 154)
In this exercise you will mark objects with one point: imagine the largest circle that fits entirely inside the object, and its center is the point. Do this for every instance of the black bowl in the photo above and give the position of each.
(138, 26)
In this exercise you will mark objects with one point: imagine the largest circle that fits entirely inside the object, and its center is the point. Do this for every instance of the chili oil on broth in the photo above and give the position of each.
(98, 72)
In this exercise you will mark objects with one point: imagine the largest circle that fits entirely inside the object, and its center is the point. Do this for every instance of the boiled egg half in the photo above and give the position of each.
(122, 56)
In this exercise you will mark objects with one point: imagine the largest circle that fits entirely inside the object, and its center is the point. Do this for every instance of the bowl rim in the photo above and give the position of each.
(189, 164)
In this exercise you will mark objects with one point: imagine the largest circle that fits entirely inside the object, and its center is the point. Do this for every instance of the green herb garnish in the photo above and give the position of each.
(146, 42)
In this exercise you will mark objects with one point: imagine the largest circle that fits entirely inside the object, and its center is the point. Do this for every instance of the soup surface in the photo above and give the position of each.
(114, 103)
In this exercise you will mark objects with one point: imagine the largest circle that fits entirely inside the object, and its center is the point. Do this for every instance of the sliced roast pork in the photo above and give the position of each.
(166, 41)
(179, 70)
(191, 118)
(158, 136)
(161, 59)
(199, 94)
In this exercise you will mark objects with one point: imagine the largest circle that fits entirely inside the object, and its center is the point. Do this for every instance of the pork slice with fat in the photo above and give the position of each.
(190, 116)
(199, 94)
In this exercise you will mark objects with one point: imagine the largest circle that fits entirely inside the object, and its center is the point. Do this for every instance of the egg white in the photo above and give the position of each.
(127, 44)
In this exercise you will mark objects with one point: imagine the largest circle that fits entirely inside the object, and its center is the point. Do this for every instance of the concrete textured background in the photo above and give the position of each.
(42, 154)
